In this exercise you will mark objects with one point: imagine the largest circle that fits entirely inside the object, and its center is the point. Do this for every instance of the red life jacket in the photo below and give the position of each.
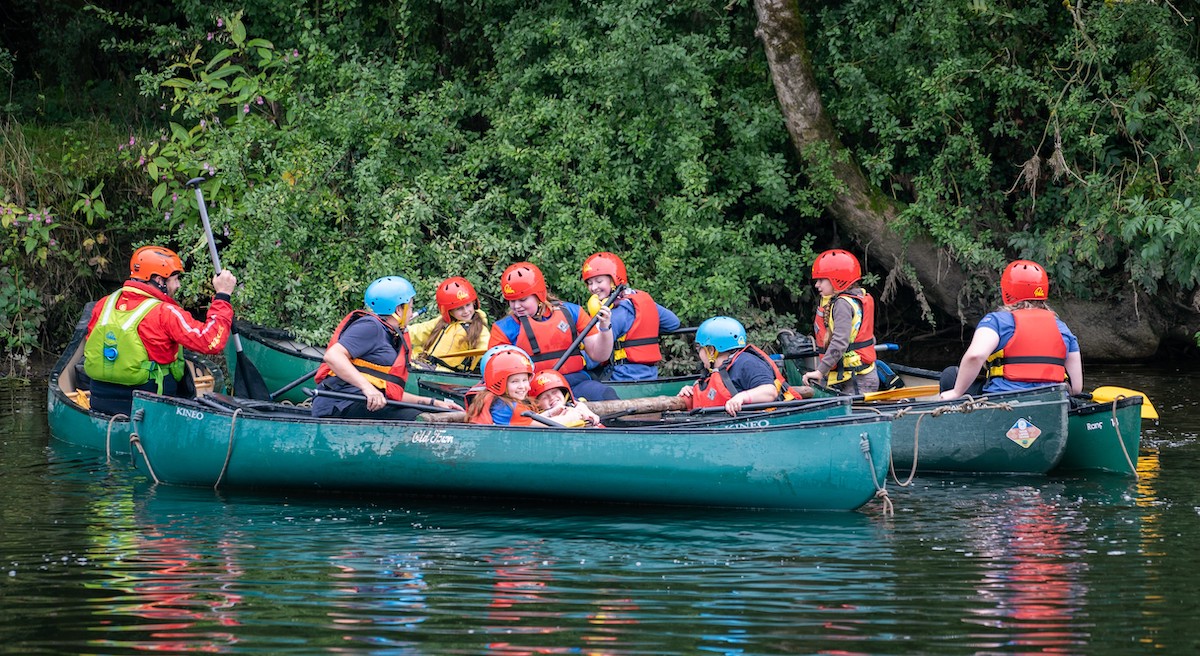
(640, 344)
(860, 356)
(716, 389)
(545, 341)
(389, 378)
(1036, 353)
(485, 417)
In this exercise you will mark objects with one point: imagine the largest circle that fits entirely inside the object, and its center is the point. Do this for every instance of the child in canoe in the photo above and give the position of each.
(844, 326)
(554, 401)
(739, 373)
(545, 327)
(637, 320)
(462, 327)
(506, 391)
(1021, 345)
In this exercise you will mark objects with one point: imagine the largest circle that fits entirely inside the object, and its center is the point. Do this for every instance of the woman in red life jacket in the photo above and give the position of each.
(506, 391)
(369, 354)
(461, 326)
(739, 373)
(137, 334)
(1023, 344)
(552, 393)
(544, 327)
(637, 320)
(844, 327)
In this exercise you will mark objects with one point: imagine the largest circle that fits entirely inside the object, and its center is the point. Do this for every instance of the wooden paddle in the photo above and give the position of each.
(1110, 393)
(247, 381)
(631, 406)
(399, 404)
(913, 392)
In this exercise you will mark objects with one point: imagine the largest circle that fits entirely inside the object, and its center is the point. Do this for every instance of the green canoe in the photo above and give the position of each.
(67, 411)
(283, 361)
(1100, 436)
(830, 464)
(1103, 436)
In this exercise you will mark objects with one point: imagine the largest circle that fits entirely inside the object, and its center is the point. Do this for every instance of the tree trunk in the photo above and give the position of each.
(1105, 331)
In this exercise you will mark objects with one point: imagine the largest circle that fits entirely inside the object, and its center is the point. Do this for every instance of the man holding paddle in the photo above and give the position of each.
(137, 334)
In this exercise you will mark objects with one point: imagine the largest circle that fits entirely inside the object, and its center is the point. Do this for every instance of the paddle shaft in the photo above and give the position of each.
(194, 183)
(293, 385)
(398, 404)
(608, 302)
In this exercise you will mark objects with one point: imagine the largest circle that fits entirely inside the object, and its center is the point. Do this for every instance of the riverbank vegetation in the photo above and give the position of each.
(355, 139)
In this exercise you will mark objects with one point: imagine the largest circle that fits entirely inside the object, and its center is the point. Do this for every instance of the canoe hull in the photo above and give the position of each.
(1104, 437)
(1013, 433)
(811, 466)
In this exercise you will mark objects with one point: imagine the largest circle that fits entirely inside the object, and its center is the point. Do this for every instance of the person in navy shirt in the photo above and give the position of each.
(637, 321)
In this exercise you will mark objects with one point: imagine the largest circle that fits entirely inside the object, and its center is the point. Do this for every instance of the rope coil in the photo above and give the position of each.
(881, 492)
(135, 442)
(108, 436)
(229, 451)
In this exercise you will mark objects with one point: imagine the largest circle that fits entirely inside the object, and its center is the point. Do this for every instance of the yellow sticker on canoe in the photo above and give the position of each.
(1024, 433)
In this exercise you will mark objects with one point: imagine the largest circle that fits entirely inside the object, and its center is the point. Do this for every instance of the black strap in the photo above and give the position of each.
(1028, 359)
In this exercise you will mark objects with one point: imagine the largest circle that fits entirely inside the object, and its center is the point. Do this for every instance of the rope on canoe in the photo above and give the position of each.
(229, 451)
(1121, 440)
(135, 442)
(971, 404)
(108, 437)
(881, 492)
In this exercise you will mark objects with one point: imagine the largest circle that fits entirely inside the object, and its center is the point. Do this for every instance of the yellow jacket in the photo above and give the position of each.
(452, 340)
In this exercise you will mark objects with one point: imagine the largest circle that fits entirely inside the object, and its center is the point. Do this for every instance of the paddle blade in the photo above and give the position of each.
(913, 392)
(247, 382)
(1110, 393)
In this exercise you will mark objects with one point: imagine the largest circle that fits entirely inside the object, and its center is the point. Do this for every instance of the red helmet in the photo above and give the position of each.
(452, 294)
(501, 366)
(605, 264)
(154, 261)
(1024, 280)
(839, 267)
(548, 380)
(523, 279)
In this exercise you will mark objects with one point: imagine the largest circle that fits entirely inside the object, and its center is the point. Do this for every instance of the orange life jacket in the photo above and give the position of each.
(485, 417)
(718, 387)
(1036, 353)
(389, 378)
(640, 344)
(545, 341)
(859, 357)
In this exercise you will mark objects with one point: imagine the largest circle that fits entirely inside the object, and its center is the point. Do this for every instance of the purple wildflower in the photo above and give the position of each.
(210, 36)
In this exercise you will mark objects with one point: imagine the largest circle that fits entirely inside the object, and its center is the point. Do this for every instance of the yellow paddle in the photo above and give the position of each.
(913, 392)
(464, 354)
(1110, 393)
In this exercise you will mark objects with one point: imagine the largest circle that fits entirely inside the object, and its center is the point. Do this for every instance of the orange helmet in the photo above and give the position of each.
(154, 261)
(840, 267)
(502, 365)
(523, 279)
(452, 294)
(1024, 280)
(548, 380)
(605, 264)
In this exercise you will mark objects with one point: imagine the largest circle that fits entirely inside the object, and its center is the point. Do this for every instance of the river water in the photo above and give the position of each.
(94, 559)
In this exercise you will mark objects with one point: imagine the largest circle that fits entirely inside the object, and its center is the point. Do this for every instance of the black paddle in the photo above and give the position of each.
(293, 385)
(608, 302)
(757, 406)
(359, 397)
(540, 419)
(247, 381)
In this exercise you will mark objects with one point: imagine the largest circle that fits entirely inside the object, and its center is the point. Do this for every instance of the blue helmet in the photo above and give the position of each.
(721, 333)
(499, 348)
(388, 293)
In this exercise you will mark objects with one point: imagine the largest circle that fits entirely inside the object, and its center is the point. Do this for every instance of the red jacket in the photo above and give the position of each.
(168, 326)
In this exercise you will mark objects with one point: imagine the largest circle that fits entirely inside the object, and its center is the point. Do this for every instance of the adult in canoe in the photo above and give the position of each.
(637, 320)
(136, 335)
(547, 329)
(739, 373)
(369, 354)
(461, 327)
(1023, 344)
(844, 326)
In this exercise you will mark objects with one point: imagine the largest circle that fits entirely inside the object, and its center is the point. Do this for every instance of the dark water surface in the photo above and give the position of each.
(95, 560)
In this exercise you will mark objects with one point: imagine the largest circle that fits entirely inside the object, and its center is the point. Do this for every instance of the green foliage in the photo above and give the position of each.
(632, 127)
(1057, 132)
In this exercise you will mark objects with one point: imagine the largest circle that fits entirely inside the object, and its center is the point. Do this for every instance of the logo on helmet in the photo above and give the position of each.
(461, 295)
(1039, 292)
(508, 289)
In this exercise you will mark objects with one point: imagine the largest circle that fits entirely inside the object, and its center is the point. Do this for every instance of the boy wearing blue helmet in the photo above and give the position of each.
(369, 354)
(739, 372)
